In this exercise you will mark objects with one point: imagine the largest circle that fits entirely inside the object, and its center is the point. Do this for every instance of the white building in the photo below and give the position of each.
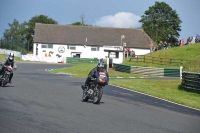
(52, 40)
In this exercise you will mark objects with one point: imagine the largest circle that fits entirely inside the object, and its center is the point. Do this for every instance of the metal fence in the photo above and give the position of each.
(191, 81)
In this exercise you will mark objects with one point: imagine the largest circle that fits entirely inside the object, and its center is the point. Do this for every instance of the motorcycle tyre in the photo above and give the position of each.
(97, 98)
(5, 81)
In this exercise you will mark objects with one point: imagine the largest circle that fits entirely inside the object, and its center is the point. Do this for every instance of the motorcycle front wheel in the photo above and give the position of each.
(98, 95)
(5, 81)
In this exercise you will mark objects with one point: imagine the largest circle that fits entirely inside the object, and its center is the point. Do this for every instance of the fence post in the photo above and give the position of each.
(181, 71)
(107, 64)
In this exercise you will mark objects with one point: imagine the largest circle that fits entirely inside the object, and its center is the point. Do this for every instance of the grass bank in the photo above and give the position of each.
(189, 53)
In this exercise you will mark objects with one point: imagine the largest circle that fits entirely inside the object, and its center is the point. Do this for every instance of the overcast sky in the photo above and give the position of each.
(104, 13)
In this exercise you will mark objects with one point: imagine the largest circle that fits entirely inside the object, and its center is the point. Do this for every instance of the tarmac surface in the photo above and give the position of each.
(39, 101)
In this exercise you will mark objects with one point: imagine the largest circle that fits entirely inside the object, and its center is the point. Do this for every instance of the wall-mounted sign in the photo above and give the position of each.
(61, 49)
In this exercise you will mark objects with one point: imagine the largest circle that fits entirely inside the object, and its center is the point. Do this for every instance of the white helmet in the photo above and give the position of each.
(11, 57)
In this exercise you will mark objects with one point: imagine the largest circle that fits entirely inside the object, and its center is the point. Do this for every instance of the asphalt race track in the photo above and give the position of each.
(38, 101)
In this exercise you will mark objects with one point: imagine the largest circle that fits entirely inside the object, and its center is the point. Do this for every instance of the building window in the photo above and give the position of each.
(114, 54)
(71, 47)
(44, 46)
(47, 46)
(94, 48)
(50, 45)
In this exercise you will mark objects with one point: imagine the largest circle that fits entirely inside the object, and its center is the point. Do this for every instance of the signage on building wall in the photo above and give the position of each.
(61, 49)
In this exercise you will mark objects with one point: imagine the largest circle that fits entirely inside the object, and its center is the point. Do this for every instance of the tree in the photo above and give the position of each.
(160, 22)
(16, 30)
(31, 26)
(15, 34)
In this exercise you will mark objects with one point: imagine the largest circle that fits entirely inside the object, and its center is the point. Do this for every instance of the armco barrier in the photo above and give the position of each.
(122, 68)
(163, 72)
(191, 81)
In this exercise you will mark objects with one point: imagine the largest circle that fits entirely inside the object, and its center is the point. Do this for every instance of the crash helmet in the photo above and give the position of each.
(100, 66)
(11, 57)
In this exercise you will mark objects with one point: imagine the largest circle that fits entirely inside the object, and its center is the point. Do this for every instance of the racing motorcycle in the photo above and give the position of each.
(6, 75)
(95, 88)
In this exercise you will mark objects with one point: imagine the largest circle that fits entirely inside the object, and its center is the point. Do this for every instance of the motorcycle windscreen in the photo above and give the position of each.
(101, 78)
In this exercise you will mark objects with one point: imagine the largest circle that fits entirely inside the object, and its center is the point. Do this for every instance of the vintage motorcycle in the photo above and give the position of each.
(6, 75)
(95, 88)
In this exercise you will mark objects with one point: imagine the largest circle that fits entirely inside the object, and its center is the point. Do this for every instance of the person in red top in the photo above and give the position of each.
(182, 42)
(128, 51)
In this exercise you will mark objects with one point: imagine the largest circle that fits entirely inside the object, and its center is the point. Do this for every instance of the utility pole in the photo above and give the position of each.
(82, 19)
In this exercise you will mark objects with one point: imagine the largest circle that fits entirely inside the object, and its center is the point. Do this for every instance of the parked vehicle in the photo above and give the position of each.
(95, 88)
(6, 75)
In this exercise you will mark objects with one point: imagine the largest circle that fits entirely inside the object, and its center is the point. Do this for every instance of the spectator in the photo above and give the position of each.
(182, 42)
(160, 45)
(128, 52)
(197, 38)
(179, 43)
(193, 40)
(133, 53)
(188, 41)
(125, 53)
(151, 46)
(165, 45)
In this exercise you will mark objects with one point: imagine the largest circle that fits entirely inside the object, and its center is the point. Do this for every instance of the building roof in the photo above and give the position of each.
(90, 35)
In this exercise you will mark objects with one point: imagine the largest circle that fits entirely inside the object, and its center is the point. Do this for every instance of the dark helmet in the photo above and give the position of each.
(11, 57)
(100, 66)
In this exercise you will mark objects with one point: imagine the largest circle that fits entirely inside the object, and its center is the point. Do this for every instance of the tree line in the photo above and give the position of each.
(160, 22)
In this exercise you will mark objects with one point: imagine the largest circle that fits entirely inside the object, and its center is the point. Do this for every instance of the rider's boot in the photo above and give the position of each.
(84, 87)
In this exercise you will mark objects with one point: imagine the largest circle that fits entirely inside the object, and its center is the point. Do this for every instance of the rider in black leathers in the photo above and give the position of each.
(9, 61)
(100, 67)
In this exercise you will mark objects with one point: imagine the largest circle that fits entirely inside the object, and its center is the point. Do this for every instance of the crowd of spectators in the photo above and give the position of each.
(190, 40)
(180, 42)
(165, 45)
(129, 53)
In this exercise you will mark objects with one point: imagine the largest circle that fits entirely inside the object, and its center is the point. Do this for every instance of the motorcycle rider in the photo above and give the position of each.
(8, 61)
(99, 68)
